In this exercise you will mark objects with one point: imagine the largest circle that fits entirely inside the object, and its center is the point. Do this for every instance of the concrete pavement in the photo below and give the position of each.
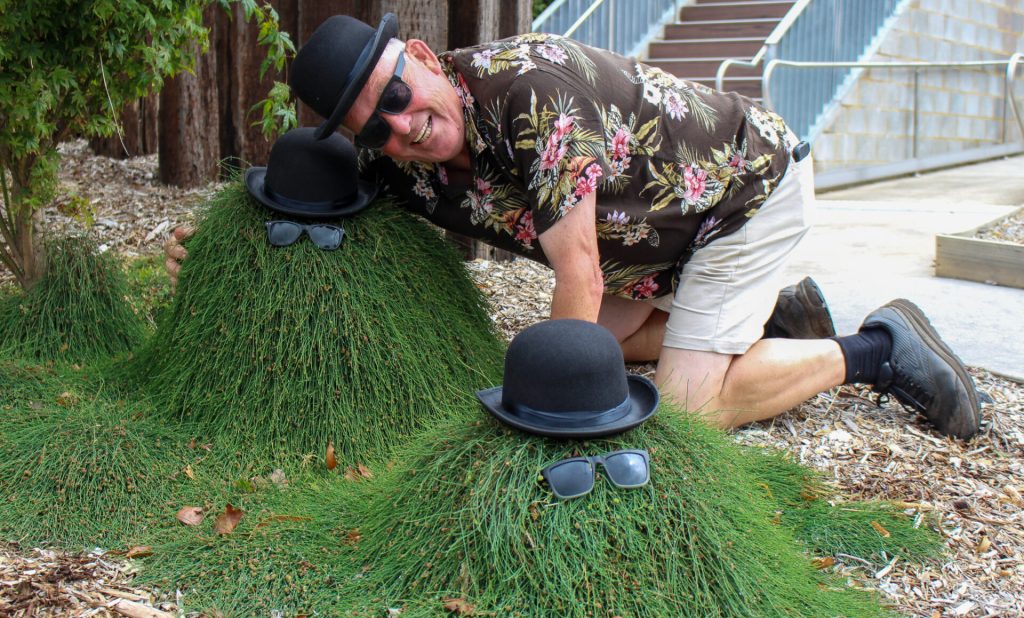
(876, 242)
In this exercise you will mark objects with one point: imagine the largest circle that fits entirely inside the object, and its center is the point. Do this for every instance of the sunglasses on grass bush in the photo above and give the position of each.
(574, 477)
(284, 233)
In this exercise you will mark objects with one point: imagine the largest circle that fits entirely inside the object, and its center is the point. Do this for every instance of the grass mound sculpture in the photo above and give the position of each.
(461, 519)
(296, 347)
(463, 516)
(77, 311)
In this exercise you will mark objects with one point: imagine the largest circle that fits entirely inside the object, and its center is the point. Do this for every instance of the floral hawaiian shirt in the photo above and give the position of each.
(548, 121)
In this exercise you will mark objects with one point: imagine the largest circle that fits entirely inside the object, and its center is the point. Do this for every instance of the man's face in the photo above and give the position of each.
(432, 128)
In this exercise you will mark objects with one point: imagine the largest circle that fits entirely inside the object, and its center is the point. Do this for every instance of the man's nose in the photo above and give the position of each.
(401, 124)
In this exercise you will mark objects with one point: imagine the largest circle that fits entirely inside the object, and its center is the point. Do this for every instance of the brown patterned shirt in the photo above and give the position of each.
(548, 121)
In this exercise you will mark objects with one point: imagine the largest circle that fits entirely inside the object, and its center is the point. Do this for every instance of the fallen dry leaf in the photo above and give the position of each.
(139, 551)
(459, 606)
(189, 473)
(352, 537)
(191, 515)
(358, 472)
(983, 545)
(67, 399)
(823, 563)
(226, 521)
(332, 462)
(879, 529)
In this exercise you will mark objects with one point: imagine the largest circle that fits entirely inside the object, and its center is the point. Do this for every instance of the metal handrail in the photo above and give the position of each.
(1009, 101)
(1011, 74)
(773, 39)
(620, 26)
(582, 18)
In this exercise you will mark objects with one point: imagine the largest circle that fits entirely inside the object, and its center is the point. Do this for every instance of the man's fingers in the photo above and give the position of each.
(176, 251)
(183, 231)
(173, 267)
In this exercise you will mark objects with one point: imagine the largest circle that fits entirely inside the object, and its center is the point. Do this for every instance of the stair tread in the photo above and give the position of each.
(743, 39)
(704, 22)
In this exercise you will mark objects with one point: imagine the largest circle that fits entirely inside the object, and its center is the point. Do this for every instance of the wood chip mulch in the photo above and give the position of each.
(974, 491)
(1009, 229)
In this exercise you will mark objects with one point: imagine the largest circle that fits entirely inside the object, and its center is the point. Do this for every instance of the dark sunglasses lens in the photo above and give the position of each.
(283, 233)
(326, 236)
(570, 479)
(395, 97)
(627, 469)
(375, 133)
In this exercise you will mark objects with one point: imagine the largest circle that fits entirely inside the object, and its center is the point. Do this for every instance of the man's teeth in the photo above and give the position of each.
(425, 131)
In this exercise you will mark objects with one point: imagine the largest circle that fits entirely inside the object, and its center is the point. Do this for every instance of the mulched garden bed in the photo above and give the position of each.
(974, 491)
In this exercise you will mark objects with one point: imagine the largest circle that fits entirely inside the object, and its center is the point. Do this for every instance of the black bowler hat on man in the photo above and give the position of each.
(311, 178)
(332, 67)
(566, 379)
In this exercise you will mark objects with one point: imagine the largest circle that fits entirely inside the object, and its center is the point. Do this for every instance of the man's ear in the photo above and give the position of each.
(423, 54)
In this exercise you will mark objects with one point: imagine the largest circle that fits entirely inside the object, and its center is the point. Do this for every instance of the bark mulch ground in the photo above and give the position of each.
(972, 491)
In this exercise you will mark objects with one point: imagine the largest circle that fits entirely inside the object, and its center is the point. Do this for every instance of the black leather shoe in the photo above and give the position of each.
(800, 313)
(923, 373)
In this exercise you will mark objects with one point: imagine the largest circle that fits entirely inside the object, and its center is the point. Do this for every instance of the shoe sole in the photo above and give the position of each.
(916, 318)
(812, 296)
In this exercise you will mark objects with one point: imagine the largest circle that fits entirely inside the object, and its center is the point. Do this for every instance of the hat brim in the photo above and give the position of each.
(386, 30)
(643, 397)
(254, 182)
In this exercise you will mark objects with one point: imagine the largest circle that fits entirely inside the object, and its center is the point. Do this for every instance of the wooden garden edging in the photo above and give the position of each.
(961, 256)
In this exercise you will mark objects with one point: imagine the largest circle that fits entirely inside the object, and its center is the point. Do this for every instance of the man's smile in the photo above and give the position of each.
(425, 131)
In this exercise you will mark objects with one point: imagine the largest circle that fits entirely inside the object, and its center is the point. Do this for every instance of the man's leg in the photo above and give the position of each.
(773, 376)
(638, 326)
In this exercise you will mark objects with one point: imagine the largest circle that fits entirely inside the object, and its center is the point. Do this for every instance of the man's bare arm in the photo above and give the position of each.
(571, 248)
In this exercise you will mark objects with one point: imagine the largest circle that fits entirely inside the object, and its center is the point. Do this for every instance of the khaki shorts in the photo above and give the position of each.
(728, 289)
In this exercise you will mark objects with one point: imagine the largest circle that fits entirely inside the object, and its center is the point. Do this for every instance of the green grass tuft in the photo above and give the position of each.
(80, 467)
(78, 311)
(297, 347)
(871, 530)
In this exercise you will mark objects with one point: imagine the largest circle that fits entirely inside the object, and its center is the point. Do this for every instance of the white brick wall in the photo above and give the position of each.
(958, 110)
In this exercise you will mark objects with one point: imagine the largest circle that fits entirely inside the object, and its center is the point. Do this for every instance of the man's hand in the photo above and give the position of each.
(176, 252)
(571, 248)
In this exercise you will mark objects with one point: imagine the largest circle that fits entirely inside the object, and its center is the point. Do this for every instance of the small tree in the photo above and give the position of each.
(66, 69)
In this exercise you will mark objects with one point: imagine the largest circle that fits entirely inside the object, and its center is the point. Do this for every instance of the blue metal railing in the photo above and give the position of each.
(623, 26)
(825, 31)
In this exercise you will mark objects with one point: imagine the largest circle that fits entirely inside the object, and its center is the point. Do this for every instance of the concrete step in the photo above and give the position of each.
(706, 48)
(729, 28)
(736, 10)
(704, 66)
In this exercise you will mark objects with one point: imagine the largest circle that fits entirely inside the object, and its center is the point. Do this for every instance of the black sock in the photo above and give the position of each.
(865, 352)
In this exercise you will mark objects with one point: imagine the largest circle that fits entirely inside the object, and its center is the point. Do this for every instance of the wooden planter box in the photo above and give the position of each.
(961, 256)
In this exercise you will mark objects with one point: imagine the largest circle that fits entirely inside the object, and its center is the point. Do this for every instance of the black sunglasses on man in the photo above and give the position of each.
(393, 100)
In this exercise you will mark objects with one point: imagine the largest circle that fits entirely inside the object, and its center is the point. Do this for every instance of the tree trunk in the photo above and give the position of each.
(189, 120)
(138, 129)
(247, 89)
(26, 246)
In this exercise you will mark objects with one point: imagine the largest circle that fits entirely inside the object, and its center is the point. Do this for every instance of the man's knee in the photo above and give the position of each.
(692, 378)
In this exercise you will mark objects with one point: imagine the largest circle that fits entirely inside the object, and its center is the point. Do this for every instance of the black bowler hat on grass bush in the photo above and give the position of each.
(566, 379)
(332, 67)
(310, 178)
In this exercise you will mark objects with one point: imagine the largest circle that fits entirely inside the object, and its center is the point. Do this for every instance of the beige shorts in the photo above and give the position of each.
(728, 289)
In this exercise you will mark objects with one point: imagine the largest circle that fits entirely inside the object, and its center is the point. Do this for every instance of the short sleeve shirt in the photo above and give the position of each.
(549, 121)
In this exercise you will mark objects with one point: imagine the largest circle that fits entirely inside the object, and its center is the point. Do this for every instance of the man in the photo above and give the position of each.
(665, 209)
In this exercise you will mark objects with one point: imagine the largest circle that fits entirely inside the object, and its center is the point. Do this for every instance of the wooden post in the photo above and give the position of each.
(189, 121)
